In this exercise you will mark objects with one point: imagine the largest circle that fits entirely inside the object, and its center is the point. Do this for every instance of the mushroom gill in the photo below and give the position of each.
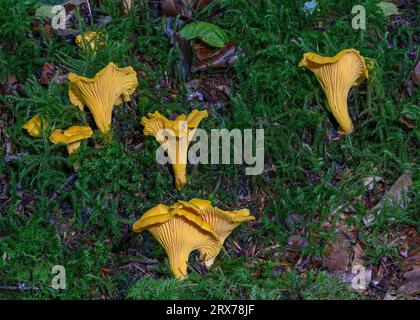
(175, 137)
(337, 75)
(222, 222)
(179, 232)
(110, 86)
(72, 137)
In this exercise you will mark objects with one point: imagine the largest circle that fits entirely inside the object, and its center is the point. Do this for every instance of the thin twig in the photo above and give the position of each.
(79, 237)
(90, 13)
(136, 266)
(66, 187)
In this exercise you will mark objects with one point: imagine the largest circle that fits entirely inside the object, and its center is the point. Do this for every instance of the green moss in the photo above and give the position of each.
(117, 181)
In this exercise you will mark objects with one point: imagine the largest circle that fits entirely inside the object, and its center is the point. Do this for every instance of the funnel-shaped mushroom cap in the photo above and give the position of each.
(222, 222)
(90, 39)
(110, 86)
(33, 126)
(179, 232)
(337, 75)
(72, 137)
(175, 137)
(151, 216)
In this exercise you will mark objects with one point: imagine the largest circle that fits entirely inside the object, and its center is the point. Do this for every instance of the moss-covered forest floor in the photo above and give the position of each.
(310, 202)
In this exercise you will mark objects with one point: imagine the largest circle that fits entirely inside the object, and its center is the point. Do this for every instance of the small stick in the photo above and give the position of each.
(66, 187)
(90, 12)
(73, 241)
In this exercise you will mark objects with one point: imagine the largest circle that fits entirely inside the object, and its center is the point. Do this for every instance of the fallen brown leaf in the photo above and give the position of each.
(48, 71)
(396, 195)
(214, 58)
(294, 248)
(411, 268)
(415, 75)
(358, 255)
(173, 8)
(411, 284)
(10, 86)
(409, 121)
(199, 5)
(45, 28)
(338, 254)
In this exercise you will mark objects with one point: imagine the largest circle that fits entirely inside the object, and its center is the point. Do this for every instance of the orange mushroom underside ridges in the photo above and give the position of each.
(337, 75)
(179, 233)
(175, 137)
(110, 87)
(185, 227)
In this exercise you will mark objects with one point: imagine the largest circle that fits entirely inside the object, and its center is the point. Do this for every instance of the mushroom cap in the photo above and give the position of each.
(157, 121)
(157, 214)
(162, 213)
(195, 117)
(200, 203)
(179, 232)
(313, 61)
(337, 75)
(33, 126)
(202, 206)
(110, 86)
(71, 135)
(221, 221)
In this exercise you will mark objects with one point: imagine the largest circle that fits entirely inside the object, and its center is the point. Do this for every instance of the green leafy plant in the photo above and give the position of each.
(207, 32)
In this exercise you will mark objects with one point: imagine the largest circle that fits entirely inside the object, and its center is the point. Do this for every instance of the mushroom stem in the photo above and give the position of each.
(178, 262)
(180, 171)
(210, 262)
(107, 136)
(339, 110)
(204, 256)
(72, 147)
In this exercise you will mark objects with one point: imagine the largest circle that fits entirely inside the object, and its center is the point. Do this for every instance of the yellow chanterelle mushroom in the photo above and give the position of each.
(337, 75)
(179, 232)
(221, 221)
(175, 137)
(72, 137)
(34, 126)
(110, 87)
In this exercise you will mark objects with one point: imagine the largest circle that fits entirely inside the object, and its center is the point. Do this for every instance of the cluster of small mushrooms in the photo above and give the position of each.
(194, 225)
